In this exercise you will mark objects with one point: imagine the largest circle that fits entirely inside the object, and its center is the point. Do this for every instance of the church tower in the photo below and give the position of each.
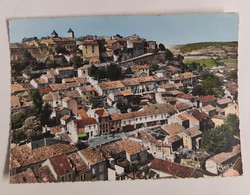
(70, 33)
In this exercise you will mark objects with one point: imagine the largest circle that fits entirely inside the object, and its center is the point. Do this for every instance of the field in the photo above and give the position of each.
(195, 46)
(203, 62)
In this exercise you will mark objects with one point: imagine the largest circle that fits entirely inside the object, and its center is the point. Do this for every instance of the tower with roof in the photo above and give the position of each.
(70, 33)
(54, 34)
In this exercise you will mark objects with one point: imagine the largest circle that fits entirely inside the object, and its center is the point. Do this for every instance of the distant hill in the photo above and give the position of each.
(228, 50)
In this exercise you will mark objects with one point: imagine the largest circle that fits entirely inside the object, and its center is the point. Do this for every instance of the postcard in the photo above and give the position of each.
(114, 98)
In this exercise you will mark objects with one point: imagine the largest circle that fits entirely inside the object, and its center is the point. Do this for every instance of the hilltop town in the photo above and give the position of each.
(120, 108)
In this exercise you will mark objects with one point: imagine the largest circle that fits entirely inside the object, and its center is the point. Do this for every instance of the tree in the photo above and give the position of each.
(51, 64)
(154, 67)
(162, 47)
(169, 55)
(92, 71)
(113, 72)
(18, 136)
(134, 167)
(233, 123)
(32, 128)
(122, 106)
(17, 120)
(101, 73)
(45, 114)
(233, 75)
(95, 103)
(211, 86)
(217, 139)
(76, 61)
(37, 101)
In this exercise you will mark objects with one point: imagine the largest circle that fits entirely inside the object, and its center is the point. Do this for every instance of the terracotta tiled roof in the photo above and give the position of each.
(191, 119)
(173, 138)
(44, 175)
(61, 164)
(93, 155)
(207, 98)
(224, 101)
(184, 76)
(75, 79)
(65, 136)
(111, 85)
(72, 94)
(85, 121)
(235, 170)
(172, 92)
(130, 82)
(172, 168)
(45, 90)
(24, 177)
(173, 129)
(65, 117)
(232, 87)
(199, 115)
(185, 96)
(171, 85)
(173, 69)
(16, 87)
(145, 79)
(182, 106)
(219, 116)
(208, 108)
(78, 163)
(101, 112)
(193, 132)
(111, 149)
(58, 86)
(82, 113)
(123, 93)
(15, 102)
(55, 129)
(23, 155)
(130, 147)
(224, 156)
(40, 80)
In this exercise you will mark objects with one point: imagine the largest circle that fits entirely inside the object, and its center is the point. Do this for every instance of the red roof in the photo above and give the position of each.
(101, 112)
(85, 121)
(207, 98)
(61, 164)
(172, 168)
(45, 90)
(185, 96)
(198, 115)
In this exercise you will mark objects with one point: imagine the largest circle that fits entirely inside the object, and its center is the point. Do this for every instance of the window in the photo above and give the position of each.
(151, 117)
(89, 127)
(62, 178)
(91, 133)
(93, 49)
(101, 168)
(69, 176)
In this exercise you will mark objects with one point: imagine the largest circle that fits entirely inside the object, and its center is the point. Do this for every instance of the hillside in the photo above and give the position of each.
(223, 50)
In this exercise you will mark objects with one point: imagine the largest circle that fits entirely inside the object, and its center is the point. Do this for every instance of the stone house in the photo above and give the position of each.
(106, 88)
(167, 169)
(60, 168)
(192, 138)
(187, 79)
(134, 151)
(96, 163)
(82, 171)
(90, 51)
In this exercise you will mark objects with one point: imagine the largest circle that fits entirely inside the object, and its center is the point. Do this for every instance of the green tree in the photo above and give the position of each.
(51, 64)
(76, 61)
(154, 67)
(122, 106)
(18, 136)
(211, 86)
(95, 102)
(37, 101)
(134, 167)
(45, 114)
(113, 72)
(217, 139)
(233, 123)
(100, 73)
(32, 128)
(92, 71)
(169, 55)
(233, 75)
(162, 47)
(17, 120)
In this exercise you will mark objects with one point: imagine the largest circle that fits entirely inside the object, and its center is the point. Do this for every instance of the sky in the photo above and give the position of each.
(166, 29)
